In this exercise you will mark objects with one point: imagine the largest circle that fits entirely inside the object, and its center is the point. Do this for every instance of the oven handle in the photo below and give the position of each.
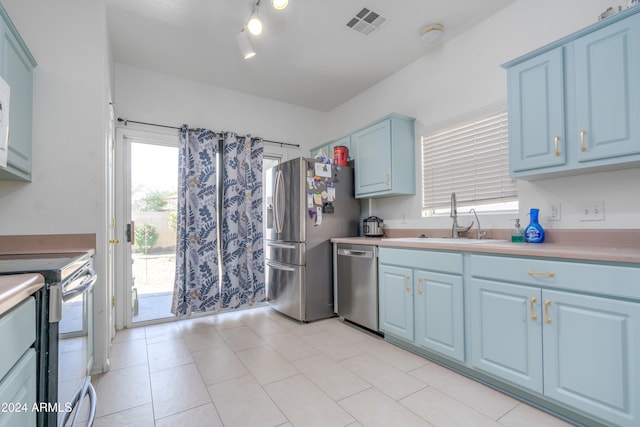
(83, 287)
(77, 401)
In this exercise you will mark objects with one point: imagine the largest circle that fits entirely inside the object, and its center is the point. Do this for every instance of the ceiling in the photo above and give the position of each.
(306, 55)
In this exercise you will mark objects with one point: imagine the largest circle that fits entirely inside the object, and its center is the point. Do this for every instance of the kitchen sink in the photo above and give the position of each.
(443, 240)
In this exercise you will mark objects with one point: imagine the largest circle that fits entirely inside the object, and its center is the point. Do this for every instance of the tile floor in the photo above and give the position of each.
(259, 368)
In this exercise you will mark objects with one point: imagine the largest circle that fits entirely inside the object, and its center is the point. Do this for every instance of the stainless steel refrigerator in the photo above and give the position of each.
(308, 203)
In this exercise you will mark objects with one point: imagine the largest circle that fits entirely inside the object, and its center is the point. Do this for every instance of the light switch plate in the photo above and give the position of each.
(592, 211)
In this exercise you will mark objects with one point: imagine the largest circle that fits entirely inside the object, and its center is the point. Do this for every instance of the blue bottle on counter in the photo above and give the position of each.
(534, 233)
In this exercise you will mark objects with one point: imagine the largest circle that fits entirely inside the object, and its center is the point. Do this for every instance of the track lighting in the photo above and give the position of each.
(244, 43)
(280, 4)
(254, 24)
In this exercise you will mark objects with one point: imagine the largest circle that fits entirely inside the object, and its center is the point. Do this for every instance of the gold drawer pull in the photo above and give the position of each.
(556, 141)
(583, 148)
(531, 306)
(540, 273)
(547, 319)
(406, 283)
(419, 286)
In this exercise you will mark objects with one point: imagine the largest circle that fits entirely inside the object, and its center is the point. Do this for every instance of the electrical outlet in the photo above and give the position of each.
(592, 211)
(554, 212)
(404, 218)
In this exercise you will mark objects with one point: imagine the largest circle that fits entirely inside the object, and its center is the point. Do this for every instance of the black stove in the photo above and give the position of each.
(55, 267)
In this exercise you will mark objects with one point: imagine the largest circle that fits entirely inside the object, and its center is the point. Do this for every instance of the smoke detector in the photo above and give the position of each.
(366, 21)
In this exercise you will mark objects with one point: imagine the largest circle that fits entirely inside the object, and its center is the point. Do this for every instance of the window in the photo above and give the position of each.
(472, 160)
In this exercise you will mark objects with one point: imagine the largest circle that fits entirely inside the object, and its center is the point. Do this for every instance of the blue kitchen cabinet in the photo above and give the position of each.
(607, 66)
(16, 68)
(573, 104)
(396, 301)
(537, 324)
(506, 334)
(421, 299)
(592, 354)
(384, 157)
(439, 316)
(18, 367)
(536, 112)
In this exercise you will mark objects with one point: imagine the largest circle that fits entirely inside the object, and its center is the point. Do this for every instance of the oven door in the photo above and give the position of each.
(76, 395)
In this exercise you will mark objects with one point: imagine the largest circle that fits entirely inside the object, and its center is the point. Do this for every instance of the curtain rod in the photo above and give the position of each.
(126, 122)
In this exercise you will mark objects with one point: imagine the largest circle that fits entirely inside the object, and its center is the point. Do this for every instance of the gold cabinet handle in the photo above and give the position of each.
(387, 179)
(556, 141)
(547, 319)
(420, 286)
(531, 307)
(540, 273)
(583, 148)
(114, 241)
(406, 283)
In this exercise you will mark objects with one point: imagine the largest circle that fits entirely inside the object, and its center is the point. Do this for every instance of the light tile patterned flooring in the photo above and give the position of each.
(259, 368)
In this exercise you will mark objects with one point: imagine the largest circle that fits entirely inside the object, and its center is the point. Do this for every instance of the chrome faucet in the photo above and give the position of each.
(455, 228)
(481, 233)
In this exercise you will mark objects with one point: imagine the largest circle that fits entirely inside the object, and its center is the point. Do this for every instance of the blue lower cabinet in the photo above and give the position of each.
(396, 301)
(439, 317)
(592, 355)
(506, 332)
(579, 350)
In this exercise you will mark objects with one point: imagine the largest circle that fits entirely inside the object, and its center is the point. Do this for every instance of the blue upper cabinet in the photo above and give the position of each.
(384, 157)
(573, 105)
(536, 112)
(16, 68)
(607, 66)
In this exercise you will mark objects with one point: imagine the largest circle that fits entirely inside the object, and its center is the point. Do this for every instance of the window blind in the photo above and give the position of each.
(471, 159)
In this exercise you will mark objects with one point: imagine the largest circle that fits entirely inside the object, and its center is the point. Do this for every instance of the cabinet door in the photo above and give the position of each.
(506, 335)
(16, 69)
(372, 153)
(439, 315)
(536, 112)
(396, 301)
(592, 355)
(607, 66)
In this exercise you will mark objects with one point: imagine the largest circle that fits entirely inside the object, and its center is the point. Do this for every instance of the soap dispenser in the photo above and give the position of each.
(517, 234)
(534, 233)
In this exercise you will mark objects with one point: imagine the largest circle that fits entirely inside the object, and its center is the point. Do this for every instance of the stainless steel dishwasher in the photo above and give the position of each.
(357, 284)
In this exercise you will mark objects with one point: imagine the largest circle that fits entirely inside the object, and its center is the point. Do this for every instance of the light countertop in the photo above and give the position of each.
(607, 252)
(16, 287)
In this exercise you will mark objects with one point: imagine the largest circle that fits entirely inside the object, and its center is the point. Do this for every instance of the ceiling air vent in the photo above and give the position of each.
(366, 21)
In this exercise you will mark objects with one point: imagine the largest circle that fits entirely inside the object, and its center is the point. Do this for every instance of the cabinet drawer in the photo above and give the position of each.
(18, 392)
(612, 280)
(17, 333)
(445, 262)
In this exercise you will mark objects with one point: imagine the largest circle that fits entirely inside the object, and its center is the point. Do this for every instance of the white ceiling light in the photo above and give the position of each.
(254, 24)
(244, 43)
(280, 4)
(431, 34)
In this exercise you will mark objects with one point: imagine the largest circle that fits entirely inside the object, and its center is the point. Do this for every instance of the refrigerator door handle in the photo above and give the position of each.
(279, 198)
(278, 266)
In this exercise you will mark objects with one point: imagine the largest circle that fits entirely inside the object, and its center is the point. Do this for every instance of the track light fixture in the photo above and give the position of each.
(254, 24)
(280, 4)
(244, 43)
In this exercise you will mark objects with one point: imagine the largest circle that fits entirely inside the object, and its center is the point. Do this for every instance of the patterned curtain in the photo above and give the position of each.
(197, 286)
(242, 235)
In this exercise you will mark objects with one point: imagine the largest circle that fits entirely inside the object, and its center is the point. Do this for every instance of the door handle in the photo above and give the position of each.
(420, 286)
(531, 307)
(556, 141)
(406, 283)
(131, 233)
(583, 148)
(547, 319)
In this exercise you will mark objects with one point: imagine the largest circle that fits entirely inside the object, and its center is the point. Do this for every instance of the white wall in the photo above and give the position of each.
(68, 40)
(148, 96)
(463, 76)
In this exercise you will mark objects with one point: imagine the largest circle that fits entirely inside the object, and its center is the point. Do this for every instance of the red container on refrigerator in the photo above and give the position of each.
(340, 155)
